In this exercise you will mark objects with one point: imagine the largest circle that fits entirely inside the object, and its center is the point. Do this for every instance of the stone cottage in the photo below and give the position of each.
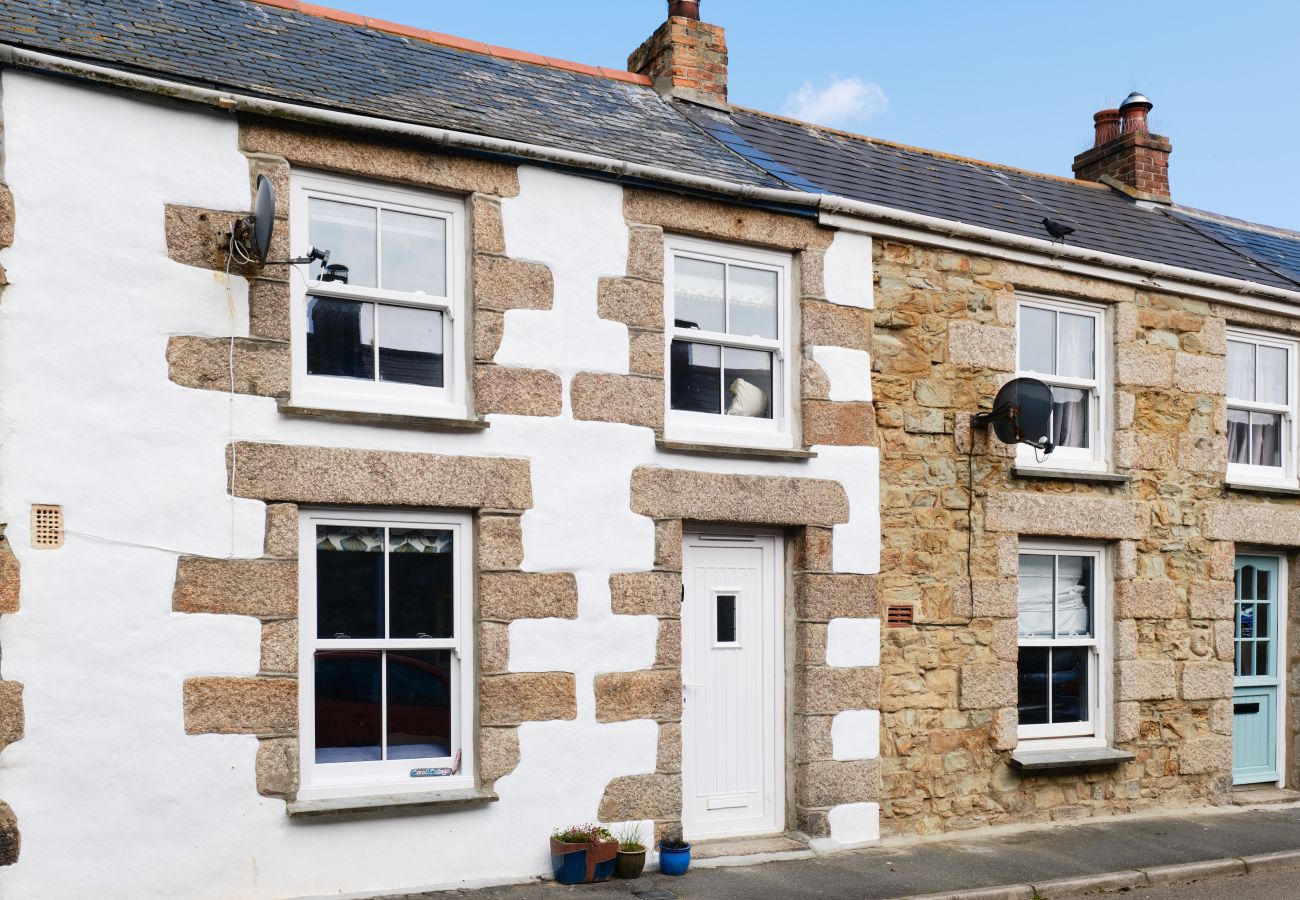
(585, 448)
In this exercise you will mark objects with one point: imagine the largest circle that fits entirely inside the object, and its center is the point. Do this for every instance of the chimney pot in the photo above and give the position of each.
(1106, 122)
(687, 9)
(1125, 154)
(1134, 109)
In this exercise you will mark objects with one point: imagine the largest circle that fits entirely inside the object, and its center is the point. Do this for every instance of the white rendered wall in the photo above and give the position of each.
(114, 800)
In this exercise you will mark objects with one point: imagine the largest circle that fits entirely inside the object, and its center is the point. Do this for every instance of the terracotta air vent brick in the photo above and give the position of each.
(899, 616)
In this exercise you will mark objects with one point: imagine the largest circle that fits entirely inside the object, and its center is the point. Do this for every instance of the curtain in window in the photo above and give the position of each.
(1241, 371)
(362, 539)
(1075, 359)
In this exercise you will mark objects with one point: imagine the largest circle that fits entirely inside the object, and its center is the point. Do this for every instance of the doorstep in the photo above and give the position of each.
(1247, 795)
(749, 850)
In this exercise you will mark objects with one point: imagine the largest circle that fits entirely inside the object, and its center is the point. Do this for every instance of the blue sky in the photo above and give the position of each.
(1013, 82)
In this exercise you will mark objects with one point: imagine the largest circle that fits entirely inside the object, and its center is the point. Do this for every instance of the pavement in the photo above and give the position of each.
(1041, 864)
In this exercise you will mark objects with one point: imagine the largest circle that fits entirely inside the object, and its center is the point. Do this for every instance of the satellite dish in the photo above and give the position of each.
(1022, 414)
(263, 218)
(253, 233)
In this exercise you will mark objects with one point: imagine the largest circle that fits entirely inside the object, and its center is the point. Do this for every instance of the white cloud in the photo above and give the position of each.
(843, 101)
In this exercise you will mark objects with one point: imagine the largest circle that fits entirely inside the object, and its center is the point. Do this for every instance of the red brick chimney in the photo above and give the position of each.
(1126, 155)
(685, 58)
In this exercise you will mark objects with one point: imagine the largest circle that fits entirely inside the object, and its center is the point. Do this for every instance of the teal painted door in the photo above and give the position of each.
(1254, 698)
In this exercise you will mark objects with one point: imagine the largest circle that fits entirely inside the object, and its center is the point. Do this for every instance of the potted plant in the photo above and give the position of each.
(582, 854)
(631, 853)
(674, 856)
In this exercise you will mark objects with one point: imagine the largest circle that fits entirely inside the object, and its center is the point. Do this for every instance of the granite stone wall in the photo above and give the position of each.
(944, 342)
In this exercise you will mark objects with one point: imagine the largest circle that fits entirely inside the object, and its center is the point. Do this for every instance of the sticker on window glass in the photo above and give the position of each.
(726, 619)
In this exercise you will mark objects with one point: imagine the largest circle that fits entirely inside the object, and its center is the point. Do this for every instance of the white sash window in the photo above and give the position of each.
(1062, 343)
(1261, 408)
(729, 377)
(1062, 662)
(386, 335)
(385, 653)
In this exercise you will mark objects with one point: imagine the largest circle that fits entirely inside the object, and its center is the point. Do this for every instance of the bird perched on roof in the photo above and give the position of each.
(1058, 230)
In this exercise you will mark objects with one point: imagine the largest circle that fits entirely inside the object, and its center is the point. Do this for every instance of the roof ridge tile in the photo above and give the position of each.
(453, 41)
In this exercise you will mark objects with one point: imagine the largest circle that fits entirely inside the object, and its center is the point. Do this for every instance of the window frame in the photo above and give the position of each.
(1097, 457)
(1073, 735)
(321, 781)
(356, 395)
(686, 426)
(1269, 476)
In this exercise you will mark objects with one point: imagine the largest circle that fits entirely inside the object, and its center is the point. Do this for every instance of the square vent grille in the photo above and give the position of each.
(899, 616)
(47, 527)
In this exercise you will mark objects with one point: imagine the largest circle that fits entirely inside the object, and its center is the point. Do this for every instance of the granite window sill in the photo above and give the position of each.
(389, 805)
(383, 420)
(1273, 490)
(1032, 474)
(1049, 760)
(741, 452)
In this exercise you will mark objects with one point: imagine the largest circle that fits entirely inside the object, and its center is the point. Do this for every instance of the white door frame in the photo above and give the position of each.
(774, 731)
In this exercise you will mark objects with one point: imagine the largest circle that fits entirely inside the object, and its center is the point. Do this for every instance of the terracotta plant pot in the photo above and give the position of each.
(629, 863)
(583, 863)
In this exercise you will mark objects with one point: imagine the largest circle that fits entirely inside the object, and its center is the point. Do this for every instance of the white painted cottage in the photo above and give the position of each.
(535, 474)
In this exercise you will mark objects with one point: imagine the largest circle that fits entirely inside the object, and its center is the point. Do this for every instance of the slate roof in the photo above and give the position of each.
(280, 54)
(1006, 199)
(1276, 248)
(341, 62)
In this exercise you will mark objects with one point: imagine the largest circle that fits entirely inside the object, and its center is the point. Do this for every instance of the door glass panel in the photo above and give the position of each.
(347, 231)
(1247, 621)
(1262, 666)
(748, 376)
(1069, 684)
(419, 704)
(1070, 417)
(340, 338)
(420, 578)
(726, 619)
(414, 253)
(1032, 676)
(1037, 340)
(410, 345)
(349, 582)
(696, 373)
(348, 715)
(751, 302)
(699, 292)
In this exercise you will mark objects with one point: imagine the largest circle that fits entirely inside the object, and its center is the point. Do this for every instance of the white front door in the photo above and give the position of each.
(733, 675)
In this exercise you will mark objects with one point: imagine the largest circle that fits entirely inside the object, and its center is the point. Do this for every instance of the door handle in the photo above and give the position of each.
(689, 684)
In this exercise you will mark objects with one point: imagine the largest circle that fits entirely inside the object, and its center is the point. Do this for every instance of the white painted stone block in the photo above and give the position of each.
(848, 371)
(853, 642)
(848, 270)
(854, 824)
(855, 734)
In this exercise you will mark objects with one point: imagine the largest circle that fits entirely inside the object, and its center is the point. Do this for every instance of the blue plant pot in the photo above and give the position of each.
(675, 862)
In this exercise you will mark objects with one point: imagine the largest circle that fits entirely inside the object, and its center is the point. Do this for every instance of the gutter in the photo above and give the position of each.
(831, 210)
